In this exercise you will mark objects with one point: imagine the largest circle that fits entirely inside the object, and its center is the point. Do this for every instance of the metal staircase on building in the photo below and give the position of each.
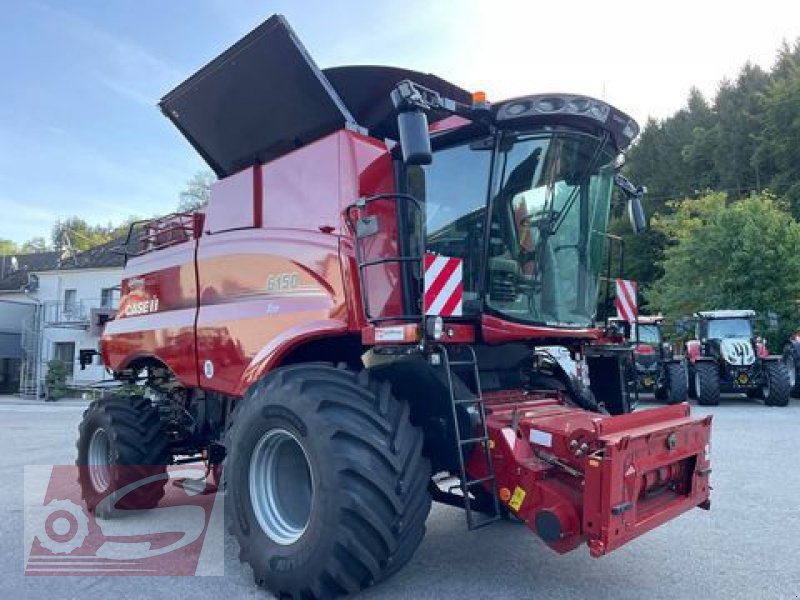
(32, 341)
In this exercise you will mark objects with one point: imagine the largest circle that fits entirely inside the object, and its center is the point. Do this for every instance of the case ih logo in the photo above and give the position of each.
(626, 300)
(444, 289)
(141, 307)
(183, 535)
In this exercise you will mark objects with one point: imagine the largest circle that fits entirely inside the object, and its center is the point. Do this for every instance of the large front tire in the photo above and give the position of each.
(326, 481)
(120, 442)
(706, 382)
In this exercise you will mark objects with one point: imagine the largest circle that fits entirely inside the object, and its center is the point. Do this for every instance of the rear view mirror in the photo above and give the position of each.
(415, 141)
(636, 214)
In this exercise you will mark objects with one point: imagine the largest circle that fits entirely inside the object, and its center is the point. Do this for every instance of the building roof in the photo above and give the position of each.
(99, 257)
(26, 263)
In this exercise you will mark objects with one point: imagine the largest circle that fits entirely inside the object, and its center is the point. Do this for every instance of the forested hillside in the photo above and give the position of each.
(723, 176)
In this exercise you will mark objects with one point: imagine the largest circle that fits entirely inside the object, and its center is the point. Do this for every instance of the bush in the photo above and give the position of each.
(56, 380)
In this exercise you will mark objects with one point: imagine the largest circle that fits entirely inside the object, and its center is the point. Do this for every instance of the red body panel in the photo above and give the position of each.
(221, 310)
(499, 331)
(693, 350)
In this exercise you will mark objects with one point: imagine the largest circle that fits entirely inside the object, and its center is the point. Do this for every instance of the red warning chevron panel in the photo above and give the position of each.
(444, 288)
(626, 300)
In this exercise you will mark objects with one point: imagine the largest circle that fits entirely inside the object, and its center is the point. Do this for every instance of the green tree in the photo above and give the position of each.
(34, 245)
(778, 151)
(7, 247)
(730, 255)
(77, 234)
(197, 192)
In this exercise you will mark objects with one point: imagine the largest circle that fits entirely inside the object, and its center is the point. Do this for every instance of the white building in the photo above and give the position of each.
(52, 308)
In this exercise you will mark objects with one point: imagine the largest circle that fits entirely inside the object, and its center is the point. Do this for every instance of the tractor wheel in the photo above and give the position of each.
(676, 386)
(325, 480)
(706, 383)
(776, 390)
(690, 376)
(120, 442)
(791, 359)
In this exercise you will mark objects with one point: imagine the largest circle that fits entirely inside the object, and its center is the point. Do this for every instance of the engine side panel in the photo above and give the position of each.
(260, 289)
(158, 305)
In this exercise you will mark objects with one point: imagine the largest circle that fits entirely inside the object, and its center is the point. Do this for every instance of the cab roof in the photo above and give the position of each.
(725, 314)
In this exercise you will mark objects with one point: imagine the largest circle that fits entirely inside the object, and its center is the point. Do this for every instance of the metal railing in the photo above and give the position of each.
(75, 313)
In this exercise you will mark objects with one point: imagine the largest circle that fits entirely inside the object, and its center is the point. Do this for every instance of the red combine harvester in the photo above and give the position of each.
(352, 322)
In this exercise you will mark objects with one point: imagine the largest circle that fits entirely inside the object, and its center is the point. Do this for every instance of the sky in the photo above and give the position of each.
(80, 132)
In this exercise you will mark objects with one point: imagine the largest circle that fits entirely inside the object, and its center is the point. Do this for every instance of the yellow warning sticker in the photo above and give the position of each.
(517, 498)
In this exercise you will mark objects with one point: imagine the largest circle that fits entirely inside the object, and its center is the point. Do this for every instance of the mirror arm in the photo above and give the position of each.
(627, 188)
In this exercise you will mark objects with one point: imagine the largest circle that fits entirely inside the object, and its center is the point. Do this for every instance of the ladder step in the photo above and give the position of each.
(469, 401)
(472, 482)
(474, 440)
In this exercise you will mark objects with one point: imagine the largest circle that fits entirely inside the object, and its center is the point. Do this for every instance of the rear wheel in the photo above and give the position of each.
(326, 481)
(690, 375)
(675, 385)
(776, 389)
(706, 383)
(791, 359)
(120, 442)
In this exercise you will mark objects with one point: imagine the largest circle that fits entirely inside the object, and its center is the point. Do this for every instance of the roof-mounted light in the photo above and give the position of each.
(555, 104)
(548, 106)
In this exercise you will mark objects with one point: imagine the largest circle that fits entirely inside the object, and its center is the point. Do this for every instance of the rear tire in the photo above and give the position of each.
(777, 390)
(676, 384)
(706, 383)
(120, 442)
(692, 388)
(791, 359)
(356, 512)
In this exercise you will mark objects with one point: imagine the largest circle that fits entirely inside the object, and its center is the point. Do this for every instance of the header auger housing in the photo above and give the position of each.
(340, 324)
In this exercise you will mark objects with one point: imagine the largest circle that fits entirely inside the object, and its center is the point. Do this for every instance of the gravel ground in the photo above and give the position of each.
(747, 546)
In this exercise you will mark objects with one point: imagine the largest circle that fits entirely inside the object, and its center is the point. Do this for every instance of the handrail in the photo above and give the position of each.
(162, 232)
(364, 264)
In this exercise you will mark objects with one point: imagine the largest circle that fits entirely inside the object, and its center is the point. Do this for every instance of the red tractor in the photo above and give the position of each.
(654, 367)
(726, 356)
(351, 324)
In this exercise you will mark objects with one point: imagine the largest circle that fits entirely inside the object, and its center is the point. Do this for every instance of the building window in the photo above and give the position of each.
(70, 304)
(108, 298)
(70, 299)
(65, 352)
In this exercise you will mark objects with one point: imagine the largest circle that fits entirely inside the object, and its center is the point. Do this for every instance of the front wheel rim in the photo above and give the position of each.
(99, 460)
(281, 486)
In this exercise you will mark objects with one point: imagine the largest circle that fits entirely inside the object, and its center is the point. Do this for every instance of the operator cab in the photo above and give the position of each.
(523, 199)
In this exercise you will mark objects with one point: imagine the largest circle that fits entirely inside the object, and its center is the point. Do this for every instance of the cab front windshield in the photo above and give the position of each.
(538, 255)
(719, 329)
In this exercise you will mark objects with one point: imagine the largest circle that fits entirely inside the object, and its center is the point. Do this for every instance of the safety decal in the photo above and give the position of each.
(517, 498)
(626, 300)
(444, 288)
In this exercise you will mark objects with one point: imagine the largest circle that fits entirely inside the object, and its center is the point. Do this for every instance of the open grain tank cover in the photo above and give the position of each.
(261, 98)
